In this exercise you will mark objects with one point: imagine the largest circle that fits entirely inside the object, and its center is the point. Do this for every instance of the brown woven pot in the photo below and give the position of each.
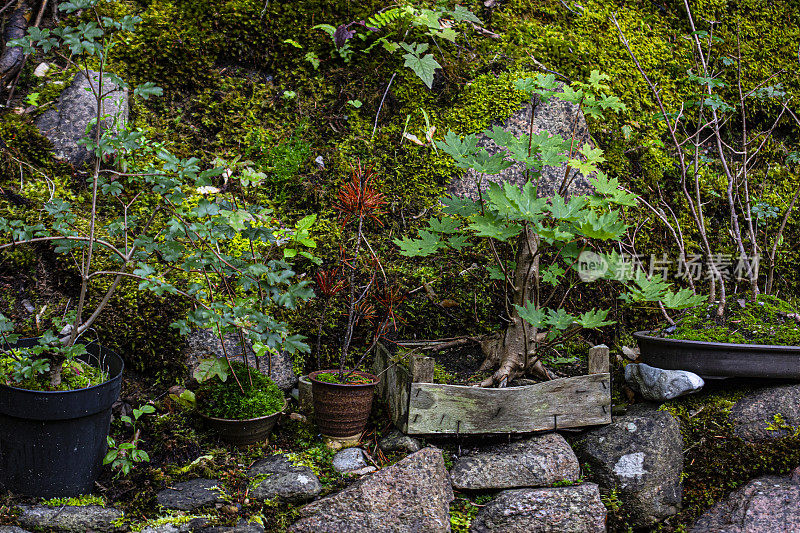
(342, 410)
(244, 432)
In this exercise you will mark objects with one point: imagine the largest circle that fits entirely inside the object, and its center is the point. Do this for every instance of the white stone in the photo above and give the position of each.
(41, 70)
(659, 385)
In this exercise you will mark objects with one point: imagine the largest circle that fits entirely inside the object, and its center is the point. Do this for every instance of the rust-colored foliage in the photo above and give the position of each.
(328, 282)
(359, 199)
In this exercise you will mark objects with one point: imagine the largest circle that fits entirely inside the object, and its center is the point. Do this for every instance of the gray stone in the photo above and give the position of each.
(203, 343)
(71, 518)
(349, 460)
(641, 456)
(190, 495)
(555, 117)
(413, 495)
(573, 509)
(533, 462)
(752, 414)
(65, 124)
(765, 504)
(656, 384)
(275, 477)
(242, 527)
(186, 527)
(13, 529)
(397, 441)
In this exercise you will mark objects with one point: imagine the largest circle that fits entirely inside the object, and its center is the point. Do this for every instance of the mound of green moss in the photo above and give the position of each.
(225, 399)
(767, 320)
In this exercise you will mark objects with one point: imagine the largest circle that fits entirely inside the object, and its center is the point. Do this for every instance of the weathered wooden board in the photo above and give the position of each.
(394, 386)
(561, 403)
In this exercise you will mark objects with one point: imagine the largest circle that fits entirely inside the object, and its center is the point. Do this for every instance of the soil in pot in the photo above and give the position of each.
(342, 409)
(241, 415)
(460, 364)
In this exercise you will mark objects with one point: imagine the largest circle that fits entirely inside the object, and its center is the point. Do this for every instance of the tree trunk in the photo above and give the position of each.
(513, 351)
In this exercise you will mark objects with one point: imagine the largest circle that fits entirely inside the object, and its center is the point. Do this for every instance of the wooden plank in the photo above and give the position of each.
(394, 386)
(422, 369)
(560, 403)
(599, 359)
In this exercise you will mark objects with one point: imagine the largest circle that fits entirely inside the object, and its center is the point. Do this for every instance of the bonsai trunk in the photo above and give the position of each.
(513, 351)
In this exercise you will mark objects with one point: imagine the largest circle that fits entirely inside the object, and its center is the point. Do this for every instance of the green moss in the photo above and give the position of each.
(765, 321)
(226, 400)
(463, 510)
(715, 461)
(75, 375)
(86, 499)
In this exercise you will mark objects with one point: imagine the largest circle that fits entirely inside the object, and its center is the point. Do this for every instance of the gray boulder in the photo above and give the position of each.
(13, 529)
(198, 525)
(190, 495)
(640, 455)
(765, 504)
(71, 518)
(411, 496)
(184, 527)
(574, 509)
(349, 460)
(656, 384)
(65, 124)
(397, 441)
(203, 343)
(755, 412)
(275, 477)
(533, 462)
(555, 117)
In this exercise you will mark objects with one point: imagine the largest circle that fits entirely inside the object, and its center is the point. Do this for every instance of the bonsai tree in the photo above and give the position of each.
(558, 241)
(215, 246)
(360, 275)
(723, 139)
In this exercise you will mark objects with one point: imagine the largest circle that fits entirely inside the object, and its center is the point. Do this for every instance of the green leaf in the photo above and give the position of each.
(553, 274)
(424, 67)
(444, 225)
(594, 319)
(559, 319)
(210, 368)
(531, 315)
(493, 227)
(427, 244)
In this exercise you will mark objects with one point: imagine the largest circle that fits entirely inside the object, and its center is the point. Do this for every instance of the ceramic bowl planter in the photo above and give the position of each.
(342, 409)
(719, 359)
(52, 444)
(245, 432)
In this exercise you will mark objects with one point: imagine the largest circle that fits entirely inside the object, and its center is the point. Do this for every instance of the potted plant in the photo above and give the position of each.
(719, 140)
(242, 409)
(558, 241)
(194, 242)
(342, 397)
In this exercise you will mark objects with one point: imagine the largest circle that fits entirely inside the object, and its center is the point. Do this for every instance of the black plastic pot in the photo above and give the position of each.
(719, 359)
(52, 444)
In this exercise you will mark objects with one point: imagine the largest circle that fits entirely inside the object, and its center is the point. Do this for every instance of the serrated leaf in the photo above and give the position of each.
(427, 244)
(424, 67)
(210, 368)
(594, 319)
(444, 225)
(531, 315)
